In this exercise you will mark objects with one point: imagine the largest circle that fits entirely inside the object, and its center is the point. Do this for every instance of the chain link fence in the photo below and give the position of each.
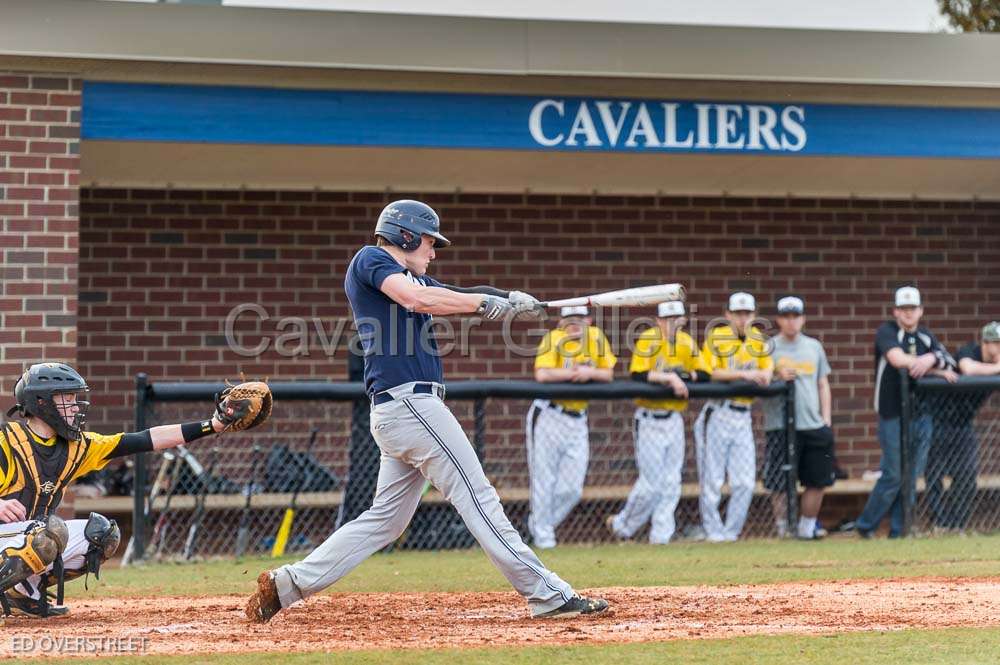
(612, 472)
(959, 486)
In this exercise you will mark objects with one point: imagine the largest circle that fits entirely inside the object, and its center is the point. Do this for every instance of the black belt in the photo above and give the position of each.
(659, 416)
(571, 414)
(418, 389)
(742, 408)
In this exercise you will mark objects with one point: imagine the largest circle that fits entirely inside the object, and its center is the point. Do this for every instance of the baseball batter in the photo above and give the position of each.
(723, 432)
(39, 458)
(393, 301)
(666, 355)
(557, 436)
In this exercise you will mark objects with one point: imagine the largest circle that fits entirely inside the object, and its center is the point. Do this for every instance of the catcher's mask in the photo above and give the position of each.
(55, 393)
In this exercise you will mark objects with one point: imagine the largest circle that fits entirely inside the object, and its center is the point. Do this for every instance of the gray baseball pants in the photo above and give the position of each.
(420, 438)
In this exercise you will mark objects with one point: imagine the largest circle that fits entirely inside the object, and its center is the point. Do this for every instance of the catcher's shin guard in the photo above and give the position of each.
(43, 542)
(103, 537)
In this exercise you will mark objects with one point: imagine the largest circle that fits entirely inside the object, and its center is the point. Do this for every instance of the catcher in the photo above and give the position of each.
(45, 453)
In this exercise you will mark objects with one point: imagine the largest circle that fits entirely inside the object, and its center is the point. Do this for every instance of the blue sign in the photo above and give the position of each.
(272, 116)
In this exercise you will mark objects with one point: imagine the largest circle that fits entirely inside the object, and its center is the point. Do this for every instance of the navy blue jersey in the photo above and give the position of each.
(399, 345)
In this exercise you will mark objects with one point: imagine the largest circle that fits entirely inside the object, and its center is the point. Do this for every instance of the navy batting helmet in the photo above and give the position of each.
(34, 393)
(404, 222)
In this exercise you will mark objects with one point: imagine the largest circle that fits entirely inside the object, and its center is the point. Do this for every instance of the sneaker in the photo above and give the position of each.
(574, 607)
(851, 525)
(819, 533)
(609, 523)
(264, 603)
(21, 605)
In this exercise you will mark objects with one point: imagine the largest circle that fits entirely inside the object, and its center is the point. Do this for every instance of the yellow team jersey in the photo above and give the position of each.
(725, 350)
(556, 350)
(35, 471)
(654, 353)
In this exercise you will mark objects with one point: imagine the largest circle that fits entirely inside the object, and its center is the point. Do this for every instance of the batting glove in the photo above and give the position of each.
(493, 308)
(526, 304)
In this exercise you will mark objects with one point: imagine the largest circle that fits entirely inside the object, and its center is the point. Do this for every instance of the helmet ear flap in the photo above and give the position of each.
(409, 239)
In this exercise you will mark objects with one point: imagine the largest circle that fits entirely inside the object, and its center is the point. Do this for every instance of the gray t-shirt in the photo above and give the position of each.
(806, 355)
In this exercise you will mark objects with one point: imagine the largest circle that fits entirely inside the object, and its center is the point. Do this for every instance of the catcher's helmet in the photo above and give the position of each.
(404, 222)
(34, 393)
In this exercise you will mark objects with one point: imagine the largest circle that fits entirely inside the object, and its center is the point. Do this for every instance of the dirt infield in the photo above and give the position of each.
(399, 621)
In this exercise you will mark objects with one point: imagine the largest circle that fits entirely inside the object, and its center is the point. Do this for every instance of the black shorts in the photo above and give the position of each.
(814, 449)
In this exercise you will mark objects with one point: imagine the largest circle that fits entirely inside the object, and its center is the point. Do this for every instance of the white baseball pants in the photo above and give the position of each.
(558, 446)
(724, 445)
(659, 458)
(420, 438)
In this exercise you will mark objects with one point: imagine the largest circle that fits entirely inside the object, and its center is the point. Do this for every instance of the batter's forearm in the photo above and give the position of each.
(482, 290)
(440, 301)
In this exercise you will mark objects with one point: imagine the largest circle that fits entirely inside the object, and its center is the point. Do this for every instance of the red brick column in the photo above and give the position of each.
(39, 220)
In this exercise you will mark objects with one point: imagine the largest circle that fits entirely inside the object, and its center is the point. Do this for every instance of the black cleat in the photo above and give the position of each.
(21, 605)
(574, 607)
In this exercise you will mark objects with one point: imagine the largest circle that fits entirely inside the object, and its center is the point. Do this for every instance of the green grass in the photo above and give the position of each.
(959, 646)
(750, 562)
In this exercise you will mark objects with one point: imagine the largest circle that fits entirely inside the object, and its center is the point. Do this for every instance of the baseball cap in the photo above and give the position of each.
(742, 302)
(671, 308)
(907, 296)
(791, 305)
(991, 332)
(579, 310)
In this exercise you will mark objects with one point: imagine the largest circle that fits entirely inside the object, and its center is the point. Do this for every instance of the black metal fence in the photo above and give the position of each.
(619, 471)
(248, 479)
(952, 455)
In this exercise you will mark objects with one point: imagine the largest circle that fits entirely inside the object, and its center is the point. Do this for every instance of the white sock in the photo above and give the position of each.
(781, 526)
(807, 527)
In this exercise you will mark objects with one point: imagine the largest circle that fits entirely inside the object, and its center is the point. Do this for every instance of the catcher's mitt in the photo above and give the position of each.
(243, 406)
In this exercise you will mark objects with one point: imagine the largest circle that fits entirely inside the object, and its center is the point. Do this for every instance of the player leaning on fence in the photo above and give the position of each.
(901, 344)
(39, 458)
(557, 434)
(800, 358)
(666, 355)
(723, 432)
(955, 448)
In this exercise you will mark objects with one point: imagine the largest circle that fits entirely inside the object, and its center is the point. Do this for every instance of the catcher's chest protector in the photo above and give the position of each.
(36, 474)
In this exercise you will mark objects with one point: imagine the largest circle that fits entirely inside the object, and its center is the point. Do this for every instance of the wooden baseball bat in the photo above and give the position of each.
(642, 295)
(285, 530)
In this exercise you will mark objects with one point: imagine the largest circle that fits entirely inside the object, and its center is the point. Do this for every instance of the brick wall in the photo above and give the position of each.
(39, 220)
(159, 271)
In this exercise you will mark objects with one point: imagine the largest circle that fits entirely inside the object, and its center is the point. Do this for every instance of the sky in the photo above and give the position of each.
(884, 15)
